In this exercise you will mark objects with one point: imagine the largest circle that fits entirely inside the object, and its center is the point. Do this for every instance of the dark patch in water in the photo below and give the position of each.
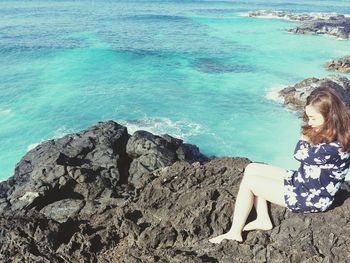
(158, 17)
(213, 66)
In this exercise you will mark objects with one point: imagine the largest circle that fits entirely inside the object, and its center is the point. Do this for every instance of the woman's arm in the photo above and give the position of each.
(315, 155)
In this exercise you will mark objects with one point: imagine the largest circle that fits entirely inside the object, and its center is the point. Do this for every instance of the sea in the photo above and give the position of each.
(202, 71)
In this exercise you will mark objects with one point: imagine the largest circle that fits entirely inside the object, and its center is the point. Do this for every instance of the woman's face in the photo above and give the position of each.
(315, 117)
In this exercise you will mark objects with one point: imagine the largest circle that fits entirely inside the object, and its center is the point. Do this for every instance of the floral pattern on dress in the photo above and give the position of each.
(322, 170)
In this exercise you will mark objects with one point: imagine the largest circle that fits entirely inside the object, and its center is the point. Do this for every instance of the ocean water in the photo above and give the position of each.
(197, 70)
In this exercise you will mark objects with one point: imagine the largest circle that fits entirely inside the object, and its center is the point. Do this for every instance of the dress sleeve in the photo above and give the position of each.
(316, 155)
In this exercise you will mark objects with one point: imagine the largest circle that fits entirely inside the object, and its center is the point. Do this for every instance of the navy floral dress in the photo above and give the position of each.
(322, 170)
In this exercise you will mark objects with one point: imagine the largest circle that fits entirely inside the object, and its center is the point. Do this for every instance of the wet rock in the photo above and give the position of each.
(340, 64)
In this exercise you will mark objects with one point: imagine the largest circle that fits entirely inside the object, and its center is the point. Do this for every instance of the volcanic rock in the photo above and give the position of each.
(340, 64)
(295, 96)
(312, 23)
(80, 199)
(335, 26)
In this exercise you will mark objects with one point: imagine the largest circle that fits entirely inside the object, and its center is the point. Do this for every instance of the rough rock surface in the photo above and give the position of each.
(340, 64)
(312, 23)
(150, 152)
(95, 213)
(335, 26)
(295, 96)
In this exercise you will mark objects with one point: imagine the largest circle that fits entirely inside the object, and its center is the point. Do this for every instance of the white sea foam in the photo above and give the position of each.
(5, 111)
(180, 129)
(276, 14)
(245, 14)
(267, 16)
(60, 132)
(273, 93)
(32, 146)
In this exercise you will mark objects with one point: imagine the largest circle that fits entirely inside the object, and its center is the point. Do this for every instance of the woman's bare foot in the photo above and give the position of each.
(228, 235)
(258, 224)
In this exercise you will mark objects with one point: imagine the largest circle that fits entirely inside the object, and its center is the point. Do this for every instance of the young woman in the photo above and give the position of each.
(324, 155)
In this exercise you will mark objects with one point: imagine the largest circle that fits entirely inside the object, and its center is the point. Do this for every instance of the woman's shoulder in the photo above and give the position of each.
(335, 147)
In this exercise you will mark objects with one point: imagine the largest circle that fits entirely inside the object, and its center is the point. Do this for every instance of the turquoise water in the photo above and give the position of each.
(197, 70)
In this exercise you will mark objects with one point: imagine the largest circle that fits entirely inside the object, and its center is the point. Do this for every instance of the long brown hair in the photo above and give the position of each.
(336, 116)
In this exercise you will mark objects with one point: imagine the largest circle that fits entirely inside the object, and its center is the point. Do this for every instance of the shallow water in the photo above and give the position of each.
(197, 70)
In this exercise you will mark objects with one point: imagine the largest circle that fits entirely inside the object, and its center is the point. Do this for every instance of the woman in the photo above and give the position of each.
(324, 155)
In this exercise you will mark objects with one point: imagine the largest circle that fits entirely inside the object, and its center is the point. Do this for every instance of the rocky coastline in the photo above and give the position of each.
(103, 195)
(340, 64)
(294, 96)
(293, 16)
(337, 25)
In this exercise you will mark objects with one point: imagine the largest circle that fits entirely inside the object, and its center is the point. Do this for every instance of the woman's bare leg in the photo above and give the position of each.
(253, 185)
(265, 170)
(262, 221)
(244, 203)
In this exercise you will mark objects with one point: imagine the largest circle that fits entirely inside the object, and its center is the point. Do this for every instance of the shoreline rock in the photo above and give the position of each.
(338, 27)
(340, 64)
(333, 24)
(295, 96)
(73, 200)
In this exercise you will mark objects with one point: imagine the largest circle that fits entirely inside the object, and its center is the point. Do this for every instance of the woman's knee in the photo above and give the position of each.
(251, 169)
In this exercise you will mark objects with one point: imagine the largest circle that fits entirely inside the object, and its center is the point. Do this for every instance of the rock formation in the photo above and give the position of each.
(340, 64)
(338, 27)
(101, 195)
(312, 23)
(295, 96)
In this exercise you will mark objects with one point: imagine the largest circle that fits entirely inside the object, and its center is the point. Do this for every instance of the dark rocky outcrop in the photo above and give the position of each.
(185, 204)
(295, 96)
(340, 64)
(312, 23)
(337, 26)
(102, 195)
(150, 152)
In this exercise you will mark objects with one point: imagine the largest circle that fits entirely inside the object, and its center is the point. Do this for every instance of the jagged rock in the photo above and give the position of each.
(295, 96)
(63, 210)
(340, 64)
(29, 237)
(78, 166)
(168, 219)
(335, 26)
(185, 205)
(150, 152)
(312, 23)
